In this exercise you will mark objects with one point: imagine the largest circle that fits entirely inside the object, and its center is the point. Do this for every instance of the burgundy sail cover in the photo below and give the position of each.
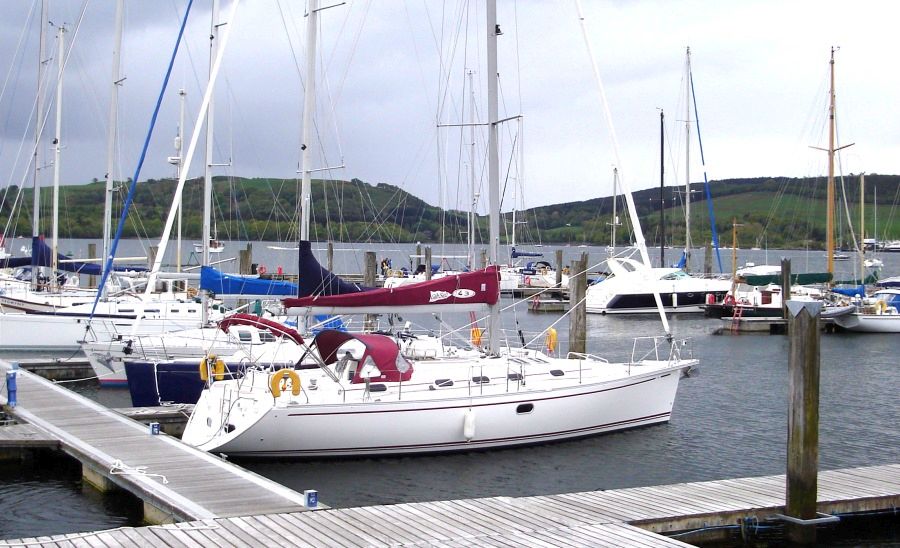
(479, 287)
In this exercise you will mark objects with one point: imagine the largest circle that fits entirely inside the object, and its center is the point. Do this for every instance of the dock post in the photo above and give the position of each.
(707, 259)
(92, 253)
(428, 262)
(418, 257)
(785, 286)
(577, 306)
(483, 258)
(329, 260)
(369, 281)
(245, 258)
(559, 269)
(803, 420)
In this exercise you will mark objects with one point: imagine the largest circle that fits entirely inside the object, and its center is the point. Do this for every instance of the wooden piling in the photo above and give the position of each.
(785, 286)
(483, 258)
(577, 306)
(707, 259)
(559, 268)
(803, 419)
(418, 257)
(428, 262)
(245, 259)
(330, 257)
(92, 253)
(369, 276)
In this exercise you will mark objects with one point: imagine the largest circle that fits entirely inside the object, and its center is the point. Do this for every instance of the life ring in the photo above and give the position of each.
(475, 336)
(218, 368)
(729, 299)
(551, 340)
(191, 292)
(278, 376)
(261, 270)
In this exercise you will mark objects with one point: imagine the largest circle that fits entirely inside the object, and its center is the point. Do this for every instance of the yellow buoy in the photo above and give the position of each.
(218, 367)
(283, 374)
(475, 336)
(551, 340)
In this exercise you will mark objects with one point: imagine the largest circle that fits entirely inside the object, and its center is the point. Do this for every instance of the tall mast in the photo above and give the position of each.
(862, 227)
(662, 182)
(493, 164)
(111, 132)
(309, 105)
(178, 160)
(471, 215)
(615, 219)
(38, 130)
(687, 164)
(829, 239)
(57, 152)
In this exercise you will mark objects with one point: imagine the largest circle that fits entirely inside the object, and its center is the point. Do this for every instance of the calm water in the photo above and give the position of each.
(729, 421)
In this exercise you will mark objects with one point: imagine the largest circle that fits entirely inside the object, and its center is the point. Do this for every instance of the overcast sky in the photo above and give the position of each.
(390, 70)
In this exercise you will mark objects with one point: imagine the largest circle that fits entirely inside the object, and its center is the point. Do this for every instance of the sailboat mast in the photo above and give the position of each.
(57, 153)
(210, 116)
(111, 131)
(829, 239)
(662, 205)
(862, 227)
(179, 163)
(309, 105)
(615, 219)
(38, 130)
(207, 171)
(687, 164)
(493, 164)
(471, 214)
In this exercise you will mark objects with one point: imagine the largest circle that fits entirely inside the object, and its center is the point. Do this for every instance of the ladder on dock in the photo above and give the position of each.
(737, 313)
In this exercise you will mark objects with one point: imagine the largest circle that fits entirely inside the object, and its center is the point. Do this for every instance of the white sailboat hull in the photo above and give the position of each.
(425, 422)
(869, 323)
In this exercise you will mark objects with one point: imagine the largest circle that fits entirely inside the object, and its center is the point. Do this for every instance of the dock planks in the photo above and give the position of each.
(178, 480)
(632, 516)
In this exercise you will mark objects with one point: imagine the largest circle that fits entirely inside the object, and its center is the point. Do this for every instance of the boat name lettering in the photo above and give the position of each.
(438, 296)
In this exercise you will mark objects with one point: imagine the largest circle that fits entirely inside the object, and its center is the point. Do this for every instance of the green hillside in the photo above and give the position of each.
(775, 212)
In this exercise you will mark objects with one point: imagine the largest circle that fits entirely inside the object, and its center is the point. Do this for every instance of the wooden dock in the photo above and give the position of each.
(620, 517)
(175, 481)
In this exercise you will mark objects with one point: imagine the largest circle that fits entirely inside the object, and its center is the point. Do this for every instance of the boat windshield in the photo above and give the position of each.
(677, 275)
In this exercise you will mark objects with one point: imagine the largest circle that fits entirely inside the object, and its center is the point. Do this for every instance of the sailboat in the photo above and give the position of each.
(356, 394)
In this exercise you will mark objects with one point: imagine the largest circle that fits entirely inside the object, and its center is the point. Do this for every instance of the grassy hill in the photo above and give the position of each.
(776, 212)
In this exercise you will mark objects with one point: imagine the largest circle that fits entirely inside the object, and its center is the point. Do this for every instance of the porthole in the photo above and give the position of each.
(524, 408)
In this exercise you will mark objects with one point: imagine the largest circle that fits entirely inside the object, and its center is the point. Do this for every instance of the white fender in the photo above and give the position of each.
(469, 425)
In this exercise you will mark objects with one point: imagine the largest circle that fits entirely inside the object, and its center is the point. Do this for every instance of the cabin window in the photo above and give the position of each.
(173, 311)
(245, 337)
(151, 310)
(126, 310)
(524, 408)
(557, 372)
(265, 336)
(377, 387)
(481, 379)
(515, 377)
(443, 383)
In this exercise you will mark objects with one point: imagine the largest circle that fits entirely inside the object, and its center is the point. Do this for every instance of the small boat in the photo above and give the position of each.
(877, 314)
(215, 246)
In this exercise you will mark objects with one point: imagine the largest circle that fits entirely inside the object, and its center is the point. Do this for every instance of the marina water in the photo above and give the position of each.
(729, 421)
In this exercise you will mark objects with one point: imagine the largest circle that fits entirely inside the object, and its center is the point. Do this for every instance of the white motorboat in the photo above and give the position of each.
(631, 287)
(364, 398)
